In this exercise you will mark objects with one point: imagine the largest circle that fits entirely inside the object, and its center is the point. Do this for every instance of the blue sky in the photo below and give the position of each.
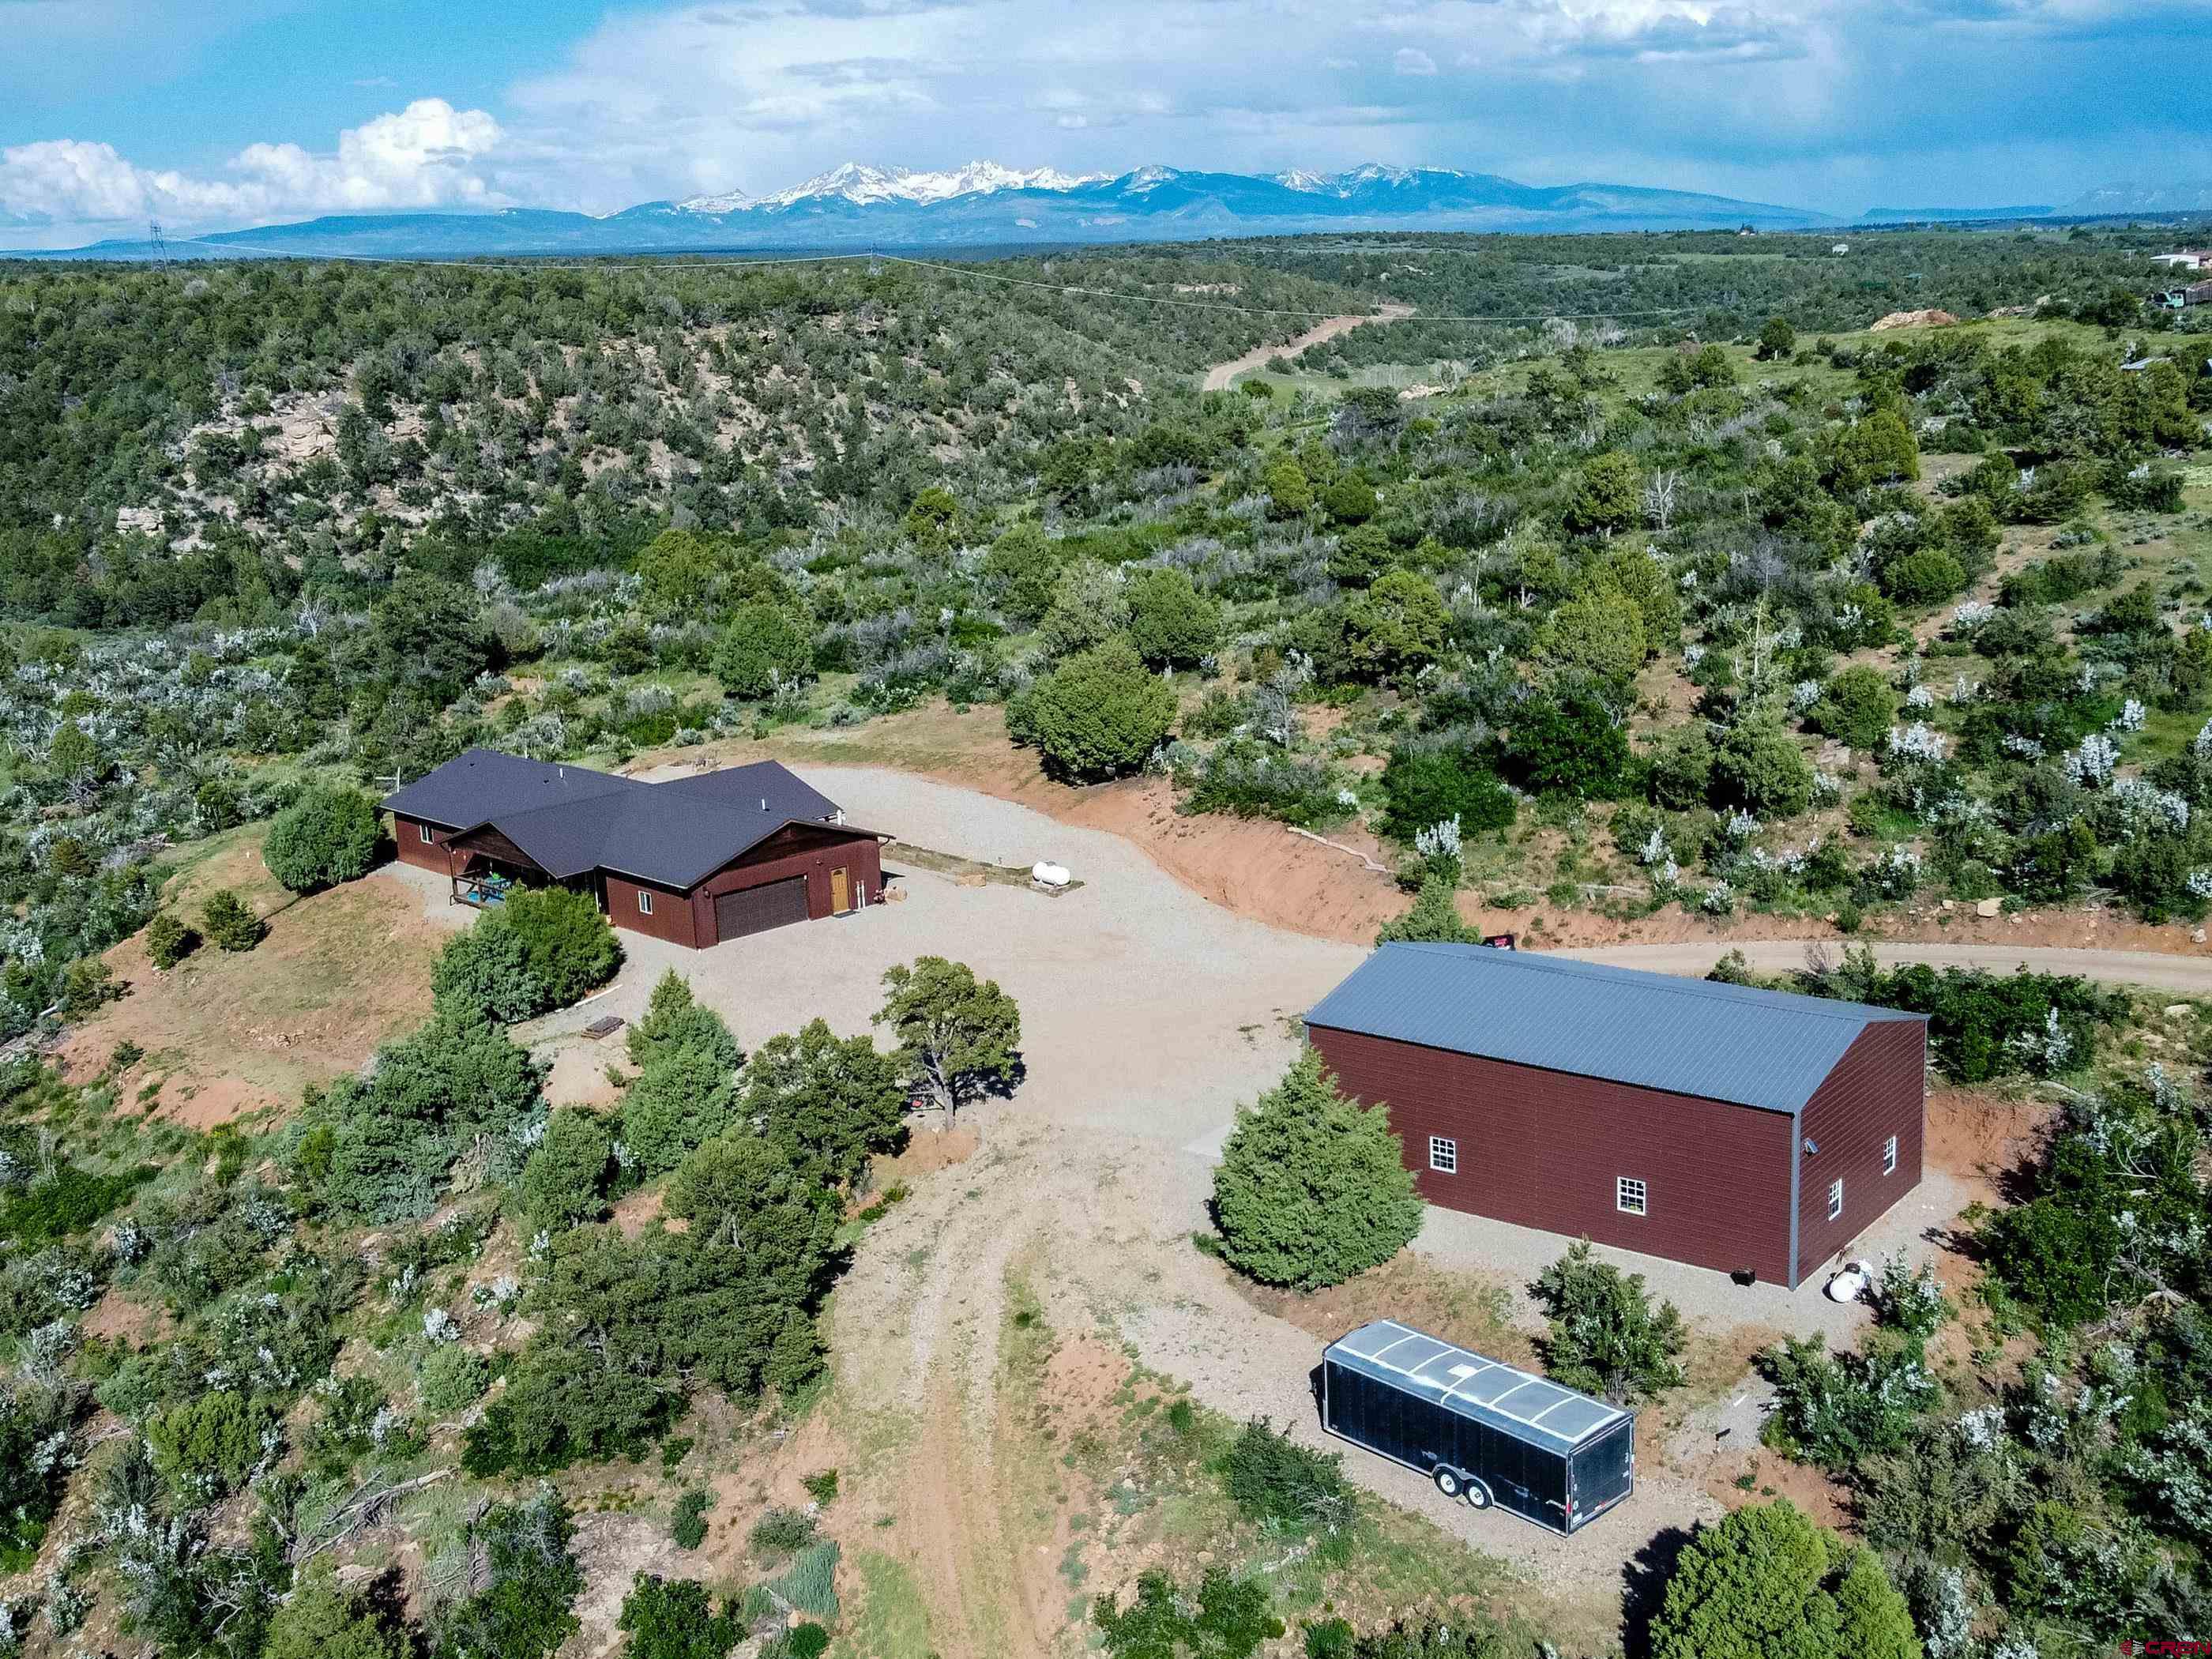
(211, 113)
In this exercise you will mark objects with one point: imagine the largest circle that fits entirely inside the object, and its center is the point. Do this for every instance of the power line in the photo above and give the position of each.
(877, 259)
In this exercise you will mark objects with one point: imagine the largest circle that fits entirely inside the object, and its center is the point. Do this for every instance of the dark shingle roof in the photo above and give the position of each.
(1767, 1048)
(469, 789)
(568, 837)
(762, 787)
(571, 820)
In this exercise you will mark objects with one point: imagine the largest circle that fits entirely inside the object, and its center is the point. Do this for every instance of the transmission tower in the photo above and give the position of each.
(160, 247)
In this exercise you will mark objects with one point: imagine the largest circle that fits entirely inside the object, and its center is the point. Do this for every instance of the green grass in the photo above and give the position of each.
(892, 1621)
(811, 1583)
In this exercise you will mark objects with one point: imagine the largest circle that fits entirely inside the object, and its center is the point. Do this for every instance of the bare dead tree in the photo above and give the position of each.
(363, 1507)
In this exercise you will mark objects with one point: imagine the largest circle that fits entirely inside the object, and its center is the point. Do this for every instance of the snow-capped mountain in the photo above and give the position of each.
(728, 201)
(864, 186)
(988, 203)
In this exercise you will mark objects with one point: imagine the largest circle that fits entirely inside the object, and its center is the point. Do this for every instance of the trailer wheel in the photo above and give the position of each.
(1448, 1482)
(1478, 1495)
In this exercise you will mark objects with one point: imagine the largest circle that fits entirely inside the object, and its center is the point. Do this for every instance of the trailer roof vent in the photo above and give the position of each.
(1465, 1371)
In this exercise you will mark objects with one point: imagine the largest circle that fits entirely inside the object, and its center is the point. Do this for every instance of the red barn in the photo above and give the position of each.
(693, 860)
(1726, 1126)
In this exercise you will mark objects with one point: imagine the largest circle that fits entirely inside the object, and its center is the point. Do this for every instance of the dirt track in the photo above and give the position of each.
(2160, 972)
(1222, 375)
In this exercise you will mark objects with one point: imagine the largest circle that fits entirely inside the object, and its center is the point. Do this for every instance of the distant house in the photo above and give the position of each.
(1840, 249)
(2185, 259)
(694, 860)
(1727, 1126)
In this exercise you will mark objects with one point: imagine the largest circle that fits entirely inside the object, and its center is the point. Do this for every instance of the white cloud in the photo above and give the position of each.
(425, 156)
(428, 154)
(1829, 103)
(772, 91)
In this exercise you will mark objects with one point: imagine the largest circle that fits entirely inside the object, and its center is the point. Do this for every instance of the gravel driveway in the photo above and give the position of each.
(1145, 1009)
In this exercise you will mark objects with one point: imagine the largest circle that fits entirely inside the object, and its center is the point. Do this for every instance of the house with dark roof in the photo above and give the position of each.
(694, 860)
(1731, 1128)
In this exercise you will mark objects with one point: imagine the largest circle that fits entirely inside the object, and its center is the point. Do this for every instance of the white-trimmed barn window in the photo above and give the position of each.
(1630, 1197)
(1889, 1156)
(645, 901)
(428, 834)
(1443, 1155)
(1835, 1199)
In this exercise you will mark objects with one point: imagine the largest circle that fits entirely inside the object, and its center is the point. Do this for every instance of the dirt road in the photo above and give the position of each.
(1221, 375)
(2189, 975)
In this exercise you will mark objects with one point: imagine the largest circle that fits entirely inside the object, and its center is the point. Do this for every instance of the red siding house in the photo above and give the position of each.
(1729, 1128)
(693, 860)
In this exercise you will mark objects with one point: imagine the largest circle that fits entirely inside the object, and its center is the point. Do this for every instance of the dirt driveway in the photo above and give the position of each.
(1222, 376)
(2157, 971)
(1145, 1009)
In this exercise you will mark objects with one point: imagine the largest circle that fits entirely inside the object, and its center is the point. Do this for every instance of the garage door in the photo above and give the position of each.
(757, 909)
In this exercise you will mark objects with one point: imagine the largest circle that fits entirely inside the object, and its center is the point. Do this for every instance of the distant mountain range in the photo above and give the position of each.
(2123, 199)
(985, 204)
(2120, 201)
(1951, 215)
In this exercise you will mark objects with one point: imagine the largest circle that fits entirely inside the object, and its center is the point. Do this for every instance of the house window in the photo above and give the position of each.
(1889, 1156)
(1835, 1199)
(424, 830)
(645, 901)
(1443, 1155)
(1630, 1198)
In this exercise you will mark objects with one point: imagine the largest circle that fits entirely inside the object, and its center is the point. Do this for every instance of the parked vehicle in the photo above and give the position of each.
(1481, 1430)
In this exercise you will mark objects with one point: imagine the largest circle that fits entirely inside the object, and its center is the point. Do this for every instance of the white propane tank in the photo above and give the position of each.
(1050, 875)
(1850, 1284)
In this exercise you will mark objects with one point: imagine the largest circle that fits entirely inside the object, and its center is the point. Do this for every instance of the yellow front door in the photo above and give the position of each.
(841, 892)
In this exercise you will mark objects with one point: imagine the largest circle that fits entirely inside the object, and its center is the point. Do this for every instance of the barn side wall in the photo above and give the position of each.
(1543, 1149)
(809, 850)
(1877, 1090)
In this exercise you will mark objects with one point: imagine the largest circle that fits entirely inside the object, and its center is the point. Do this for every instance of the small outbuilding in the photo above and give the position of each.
(1744, 1130)
(694, 860)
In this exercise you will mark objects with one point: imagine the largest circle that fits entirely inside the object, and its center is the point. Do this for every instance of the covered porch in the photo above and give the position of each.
(486, 869)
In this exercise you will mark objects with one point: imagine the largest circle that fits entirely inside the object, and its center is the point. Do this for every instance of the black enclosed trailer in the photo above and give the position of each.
(1488, 1431)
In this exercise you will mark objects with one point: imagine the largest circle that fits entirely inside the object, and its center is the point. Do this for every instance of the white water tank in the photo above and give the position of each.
(1050, 875)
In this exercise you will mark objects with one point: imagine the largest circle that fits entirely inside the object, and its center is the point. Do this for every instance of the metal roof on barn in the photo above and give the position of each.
(1770, 1050)
(1488, 1391)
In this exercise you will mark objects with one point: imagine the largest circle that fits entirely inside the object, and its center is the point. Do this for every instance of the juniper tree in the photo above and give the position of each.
(958, 1036)
(326, 836)
(1312, 1187)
